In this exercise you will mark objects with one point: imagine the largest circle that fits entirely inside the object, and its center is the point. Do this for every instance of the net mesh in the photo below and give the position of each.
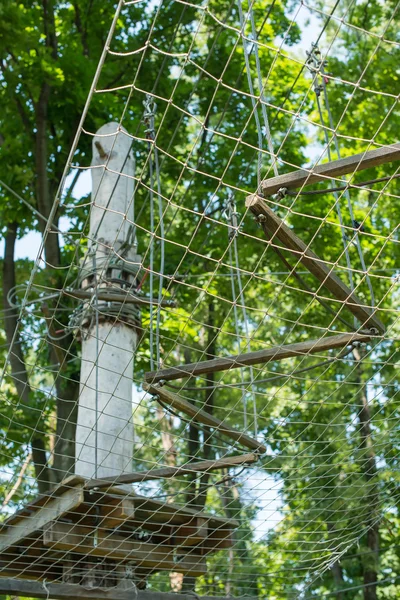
(212, 100)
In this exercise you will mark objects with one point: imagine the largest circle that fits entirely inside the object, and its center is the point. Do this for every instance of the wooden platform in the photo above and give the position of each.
(73, 530)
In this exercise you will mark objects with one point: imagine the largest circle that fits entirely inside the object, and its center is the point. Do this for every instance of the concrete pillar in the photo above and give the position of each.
(104, 436)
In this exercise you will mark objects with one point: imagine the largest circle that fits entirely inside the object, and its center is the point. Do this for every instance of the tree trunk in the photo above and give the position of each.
(44, 202)
(17, 360)
(67, 412)
(369, 468)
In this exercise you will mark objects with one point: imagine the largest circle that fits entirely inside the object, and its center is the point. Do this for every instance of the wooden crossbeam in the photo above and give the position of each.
(333, 169)
(66, 591)
(256, 358)
(201, 416)
(273, 226)
(167, 472)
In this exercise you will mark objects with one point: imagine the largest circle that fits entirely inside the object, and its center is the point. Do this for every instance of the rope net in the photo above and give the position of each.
(212, 100)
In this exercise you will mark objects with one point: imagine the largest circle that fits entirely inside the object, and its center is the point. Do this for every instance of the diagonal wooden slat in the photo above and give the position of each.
(168, 472)
(333, 169)
(201, 416)
(256, 358)
(273, 226)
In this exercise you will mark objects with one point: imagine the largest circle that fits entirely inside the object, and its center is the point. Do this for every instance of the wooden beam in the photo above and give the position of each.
(51, 510)
(273, 226)
(332, 170)
(167, 472)
(256, 358)
(66, 591)
(96, 541)
(199, 415)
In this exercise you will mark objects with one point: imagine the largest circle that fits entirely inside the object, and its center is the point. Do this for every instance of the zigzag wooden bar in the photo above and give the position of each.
(201, 416)
(274, 227)
(167, 472)
(333, 169)
(256, 358)
(70, 529)
(64, 591)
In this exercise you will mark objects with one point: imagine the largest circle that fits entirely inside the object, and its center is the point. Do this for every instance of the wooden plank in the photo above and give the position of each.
(274, 226)
(66, 591)
(255, 358)
(333, 169)
(33, 505)
(167, 472)
(54, 508)
(103, 543)
(201, 416)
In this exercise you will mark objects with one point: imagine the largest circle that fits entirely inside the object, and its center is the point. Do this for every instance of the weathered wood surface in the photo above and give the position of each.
(167, 472)
(274, 227)
(255, 358)
(64, 591)
(333, 169)
(54, 508)
(42, 499)
(200, 416)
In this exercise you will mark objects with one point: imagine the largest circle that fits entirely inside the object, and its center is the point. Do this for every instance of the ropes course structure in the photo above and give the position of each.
(200, 394)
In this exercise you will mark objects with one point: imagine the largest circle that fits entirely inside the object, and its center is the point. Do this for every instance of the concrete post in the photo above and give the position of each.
(104, 436)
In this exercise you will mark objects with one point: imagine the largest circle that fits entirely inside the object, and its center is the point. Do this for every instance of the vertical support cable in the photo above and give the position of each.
(261, 91)
(251, 88)
(232, 215)
(150, 108)
(316, 66)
